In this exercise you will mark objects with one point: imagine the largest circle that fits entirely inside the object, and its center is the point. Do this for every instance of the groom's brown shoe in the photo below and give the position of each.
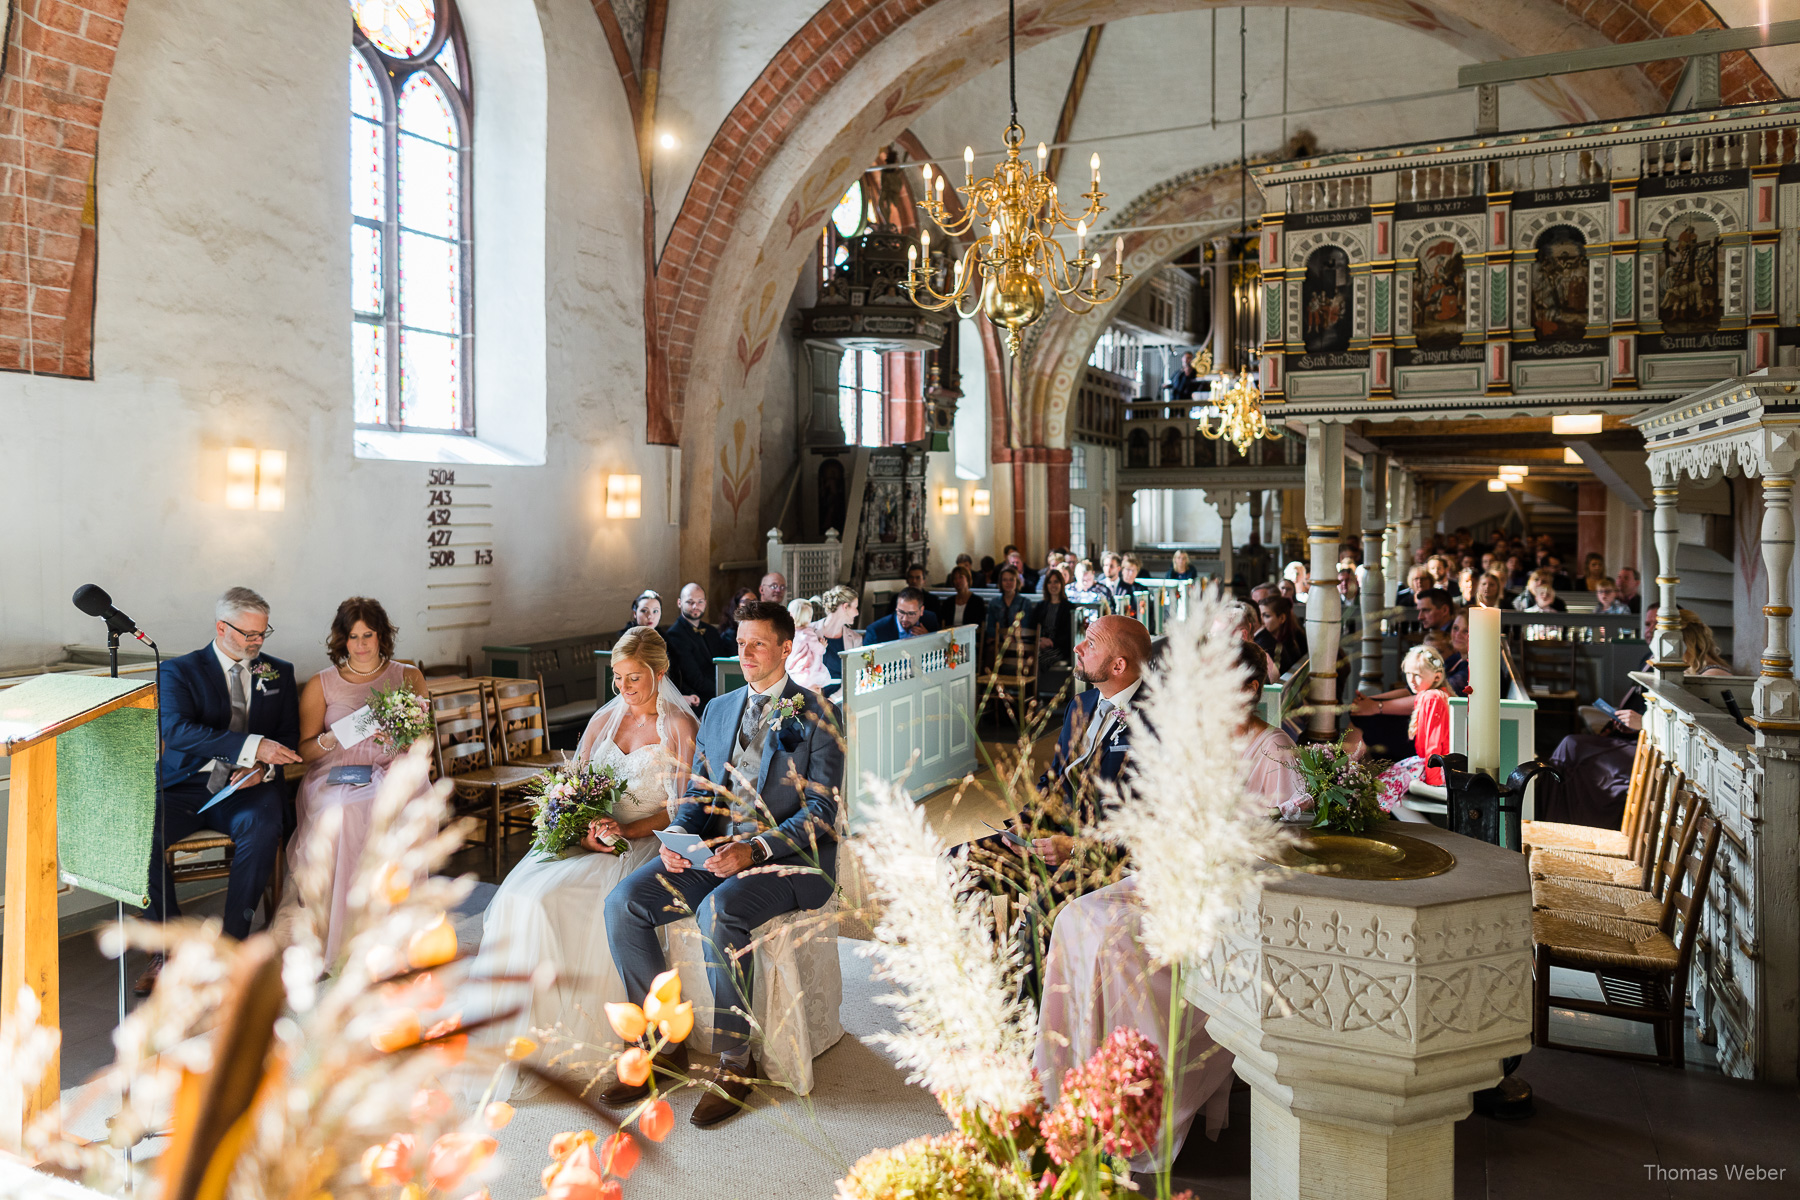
(726, 1090)
(619, 1093)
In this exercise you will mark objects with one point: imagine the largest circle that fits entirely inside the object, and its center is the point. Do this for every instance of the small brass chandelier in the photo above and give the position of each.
(1236, 400)
(1019, 262)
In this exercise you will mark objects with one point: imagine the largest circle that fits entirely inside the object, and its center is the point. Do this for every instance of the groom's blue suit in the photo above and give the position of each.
(801, 770)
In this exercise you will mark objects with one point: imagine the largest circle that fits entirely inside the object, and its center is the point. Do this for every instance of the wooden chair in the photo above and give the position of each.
(187, 866)
(1642, 969)
(1625, 903)
(1587, 839)
(523, 730)
(466, 757)
(1664, 806)
(1012, 677)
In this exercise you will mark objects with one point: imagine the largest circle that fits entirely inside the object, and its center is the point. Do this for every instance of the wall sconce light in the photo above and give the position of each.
(980, 502)
(949, 501)
(1571, 458)
(624, 497)
(1496, 485)
(1574, 426)
(255, 479)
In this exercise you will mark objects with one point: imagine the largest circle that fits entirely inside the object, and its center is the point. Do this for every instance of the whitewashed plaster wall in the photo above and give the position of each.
(222, 319)
(713, 50)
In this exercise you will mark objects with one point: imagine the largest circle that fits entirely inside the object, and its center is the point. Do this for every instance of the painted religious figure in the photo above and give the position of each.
(1438, 295)
(1325, 301)
(1688, 295)
(1559, 285)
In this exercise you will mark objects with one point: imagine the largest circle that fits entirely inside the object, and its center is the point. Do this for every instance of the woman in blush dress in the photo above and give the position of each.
(549, 909)
(361, 648)
(806, 661)
(1098, 976)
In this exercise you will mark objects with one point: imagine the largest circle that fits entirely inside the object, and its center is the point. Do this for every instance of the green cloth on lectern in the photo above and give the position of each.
(38, 704)
(106, 804)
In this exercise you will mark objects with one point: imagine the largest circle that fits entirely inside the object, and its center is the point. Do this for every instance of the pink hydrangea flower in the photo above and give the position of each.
(1114, 1100)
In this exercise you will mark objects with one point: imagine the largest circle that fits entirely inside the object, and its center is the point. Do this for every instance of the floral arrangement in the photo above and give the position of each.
(569, 799)
(266, 673)
(1346, 793)
(967, 1034)
(402, 717)
(784, 710)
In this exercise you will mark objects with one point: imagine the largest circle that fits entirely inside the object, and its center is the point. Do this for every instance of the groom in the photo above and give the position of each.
(774, 851)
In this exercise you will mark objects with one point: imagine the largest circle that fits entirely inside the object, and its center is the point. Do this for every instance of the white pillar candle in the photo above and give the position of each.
(1484, 698)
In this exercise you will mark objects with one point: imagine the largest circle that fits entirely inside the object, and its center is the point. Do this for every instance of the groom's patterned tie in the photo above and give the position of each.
(1096, 727)
(752, 733)
(240, 723)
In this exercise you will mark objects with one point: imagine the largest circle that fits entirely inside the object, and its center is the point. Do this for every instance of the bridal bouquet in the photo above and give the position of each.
(1346, 793)
(402, 716)
(569, 798)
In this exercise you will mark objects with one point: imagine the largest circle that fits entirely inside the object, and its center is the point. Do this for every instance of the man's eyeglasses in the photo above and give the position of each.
(261, 635)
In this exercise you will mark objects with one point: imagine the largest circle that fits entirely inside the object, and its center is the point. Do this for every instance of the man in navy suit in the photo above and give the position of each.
(229, 713)
(775, 850)
(909, 619)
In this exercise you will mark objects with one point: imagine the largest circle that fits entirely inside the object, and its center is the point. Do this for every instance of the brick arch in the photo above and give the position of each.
(1206, 202)
(819, 59)
(839, 89)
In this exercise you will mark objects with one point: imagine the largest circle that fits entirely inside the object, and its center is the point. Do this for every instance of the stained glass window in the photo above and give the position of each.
(847, 217)
(860, 402)
(410, 296)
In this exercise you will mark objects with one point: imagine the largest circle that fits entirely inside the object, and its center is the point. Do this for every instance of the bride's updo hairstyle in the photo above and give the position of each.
(643, 644)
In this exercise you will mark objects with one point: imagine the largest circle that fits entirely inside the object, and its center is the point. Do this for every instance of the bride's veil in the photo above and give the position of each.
(670, 703)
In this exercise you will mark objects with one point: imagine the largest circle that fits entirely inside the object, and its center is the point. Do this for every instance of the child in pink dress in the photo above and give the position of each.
(806, 661)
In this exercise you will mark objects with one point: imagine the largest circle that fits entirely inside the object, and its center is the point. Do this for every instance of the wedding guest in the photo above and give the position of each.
(227, 713)
(1085, 582)
(1606, 598)
(1182, 567)
(361, 649)
(1011, 609)
(1490, 592)
(1098, 976)
(963, 608)
(1593, 571)
(797, 760)
(1301, 579)
(727, 634)
(1110, 564)
(548, 909)
(841, 607)
(1281, 637)
(806, 661)
(646, 611)
(1456, 664)
(1628, 588)
(966, 563)
(1130, 566)
(1349, 588)
(1418, 582)
(915, 577)
(1699, 649)
(1245, 622)
(907, 619)
(692, 644)
(984, 576)
(1434, 609)
(1540, 594)
(1289, 591)
(1516, 574)
(1054, 621)
(773, 588)
(1010, 557)
(1429, 728)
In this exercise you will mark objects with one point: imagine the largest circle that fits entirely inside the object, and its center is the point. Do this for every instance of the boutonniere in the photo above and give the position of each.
(265, 674)
(785, 710)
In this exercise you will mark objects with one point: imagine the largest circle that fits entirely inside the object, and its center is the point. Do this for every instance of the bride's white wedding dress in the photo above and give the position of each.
(552, 910)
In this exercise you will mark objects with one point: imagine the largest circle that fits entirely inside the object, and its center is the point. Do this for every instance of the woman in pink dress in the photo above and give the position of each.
(1098, 976)
(361, 648)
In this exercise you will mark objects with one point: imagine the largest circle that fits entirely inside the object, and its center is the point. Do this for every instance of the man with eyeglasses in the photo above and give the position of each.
(230, 718)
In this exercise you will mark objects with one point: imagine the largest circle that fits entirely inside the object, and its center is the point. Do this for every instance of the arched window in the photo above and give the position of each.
(411, 292)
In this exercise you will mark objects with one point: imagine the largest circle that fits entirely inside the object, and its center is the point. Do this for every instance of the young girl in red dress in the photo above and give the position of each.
(1429, 729)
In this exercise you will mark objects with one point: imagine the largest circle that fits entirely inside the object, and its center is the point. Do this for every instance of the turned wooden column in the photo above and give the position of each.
(1324, 528)
(1226, 503)
(1374, 585)
(1777, 698)
(1666, 658)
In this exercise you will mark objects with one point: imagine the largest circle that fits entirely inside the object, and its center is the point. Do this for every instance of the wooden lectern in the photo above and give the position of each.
(33, 716)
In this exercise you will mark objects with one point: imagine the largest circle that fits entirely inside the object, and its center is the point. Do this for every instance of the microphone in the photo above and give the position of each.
(93, 600)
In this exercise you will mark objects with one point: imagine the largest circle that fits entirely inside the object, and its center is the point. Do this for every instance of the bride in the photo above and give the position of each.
(550, 908)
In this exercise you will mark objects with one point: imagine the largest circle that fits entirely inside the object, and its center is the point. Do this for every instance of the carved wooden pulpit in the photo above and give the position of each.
(85, 745)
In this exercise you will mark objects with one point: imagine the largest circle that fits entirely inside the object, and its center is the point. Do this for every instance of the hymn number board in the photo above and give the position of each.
(459, 550)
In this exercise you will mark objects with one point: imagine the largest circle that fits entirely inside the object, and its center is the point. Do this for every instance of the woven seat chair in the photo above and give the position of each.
(1623, 872)
(1642, 969)
(1622, 842)
(1631, 902)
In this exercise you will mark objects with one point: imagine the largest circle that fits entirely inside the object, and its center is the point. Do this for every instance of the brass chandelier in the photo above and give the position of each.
(1236, 400)
(1019, 262)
